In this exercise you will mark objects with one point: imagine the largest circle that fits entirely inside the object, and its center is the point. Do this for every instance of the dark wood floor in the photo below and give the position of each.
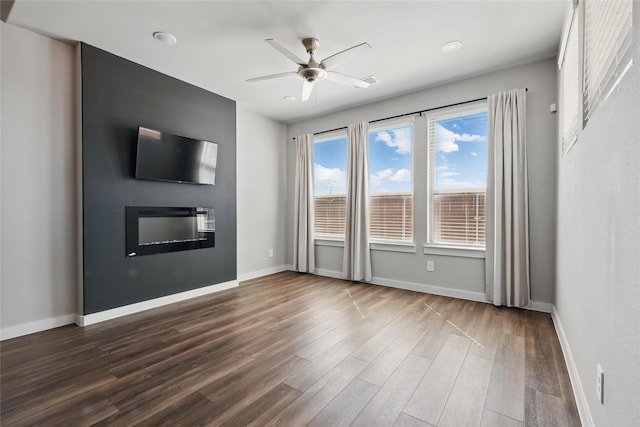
(295, 350)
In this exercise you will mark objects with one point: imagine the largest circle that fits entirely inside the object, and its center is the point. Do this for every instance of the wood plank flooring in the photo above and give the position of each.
(293, 350)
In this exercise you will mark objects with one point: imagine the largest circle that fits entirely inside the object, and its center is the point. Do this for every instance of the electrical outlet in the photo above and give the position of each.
(431, 265)
(599, 383)
(270, 253)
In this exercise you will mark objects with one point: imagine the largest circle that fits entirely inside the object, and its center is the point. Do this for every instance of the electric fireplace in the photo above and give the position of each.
(154, 230)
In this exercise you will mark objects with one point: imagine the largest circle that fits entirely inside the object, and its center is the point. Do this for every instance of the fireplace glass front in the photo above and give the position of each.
(153, 230)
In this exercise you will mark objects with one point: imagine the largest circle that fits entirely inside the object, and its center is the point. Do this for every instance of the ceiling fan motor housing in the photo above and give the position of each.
(312, 71)
(312, 74)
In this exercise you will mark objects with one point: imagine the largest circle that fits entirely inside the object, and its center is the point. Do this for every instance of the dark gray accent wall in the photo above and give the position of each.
(117, 97)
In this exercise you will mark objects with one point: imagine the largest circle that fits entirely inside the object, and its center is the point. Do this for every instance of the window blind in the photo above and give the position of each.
(570, 87)
(330, 215)
(607, 55)
(459, 217)
(391, 216)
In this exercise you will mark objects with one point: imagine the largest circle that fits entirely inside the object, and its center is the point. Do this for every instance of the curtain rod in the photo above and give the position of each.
(412, 113)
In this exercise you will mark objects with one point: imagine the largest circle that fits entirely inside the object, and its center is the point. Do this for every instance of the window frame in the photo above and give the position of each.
(392, 244)
(569, 139)
(448, 248)
(576, 18)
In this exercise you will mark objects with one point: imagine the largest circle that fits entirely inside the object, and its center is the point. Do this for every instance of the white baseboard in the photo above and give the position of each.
(418, 287)
(545, 307)
(576, 384)
(330, 273)
(435, 290)
(113, 313)
(36, 326)
(410, 286)
(431, 289)
(264, 272)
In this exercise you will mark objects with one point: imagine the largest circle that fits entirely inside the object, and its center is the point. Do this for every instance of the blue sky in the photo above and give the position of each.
(461, 158)
(330, 166)
(461, 152)
(390, 160)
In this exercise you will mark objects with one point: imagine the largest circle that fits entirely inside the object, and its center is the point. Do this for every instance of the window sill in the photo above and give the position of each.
(328, 241)
(457, 251)
(377, 245)
(392, 246)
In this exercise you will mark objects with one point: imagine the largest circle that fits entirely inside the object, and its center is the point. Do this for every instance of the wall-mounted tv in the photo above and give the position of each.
(162, 156)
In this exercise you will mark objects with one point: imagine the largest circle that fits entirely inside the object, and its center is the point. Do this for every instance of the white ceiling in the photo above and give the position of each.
(221, 43)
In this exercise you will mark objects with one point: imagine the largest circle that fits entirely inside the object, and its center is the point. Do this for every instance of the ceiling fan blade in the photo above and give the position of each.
(345, 55)
(307, 87)
(346, 80)
(286, 52)
(272, 76)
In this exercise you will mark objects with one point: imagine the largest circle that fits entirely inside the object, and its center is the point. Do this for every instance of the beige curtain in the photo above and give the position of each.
(303, 244)
(507, 227)
(357, 257)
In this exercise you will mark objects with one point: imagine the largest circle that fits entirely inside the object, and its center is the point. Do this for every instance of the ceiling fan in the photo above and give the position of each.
(312, 71)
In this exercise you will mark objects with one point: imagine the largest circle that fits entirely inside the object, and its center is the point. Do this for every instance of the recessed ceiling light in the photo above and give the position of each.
(165, 38)
(289, 98)
(451, 46)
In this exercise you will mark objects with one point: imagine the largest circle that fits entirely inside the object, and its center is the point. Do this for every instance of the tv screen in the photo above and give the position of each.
(163, 156)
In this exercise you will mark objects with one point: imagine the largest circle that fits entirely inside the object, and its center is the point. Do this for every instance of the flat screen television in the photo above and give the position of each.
(162, 156)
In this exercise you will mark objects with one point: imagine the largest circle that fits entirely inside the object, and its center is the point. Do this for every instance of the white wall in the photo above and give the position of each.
(261, 198)
(38, 277)
(457, 276)
(598, 263)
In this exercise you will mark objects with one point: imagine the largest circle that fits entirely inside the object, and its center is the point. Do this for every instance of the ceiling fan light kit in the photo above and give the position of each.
(312, 71)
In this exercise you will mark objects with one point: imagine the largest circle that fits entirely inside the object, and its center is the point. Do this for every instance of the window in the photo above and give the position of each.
(607, 55)
(594, 57)
(330, 185)
(391, 181)
(458, 176)
(570, 86)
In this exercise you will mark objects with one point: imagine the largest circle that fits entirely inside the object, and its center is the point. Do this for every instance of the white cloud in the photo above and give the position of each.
(401, 175)
(388, 175)
(400, 139)
(474, 154)
(378, 177)
(465, 137)
(330, 180)
(445, 177)
(451, 183)
(443, 171)
(447, 139)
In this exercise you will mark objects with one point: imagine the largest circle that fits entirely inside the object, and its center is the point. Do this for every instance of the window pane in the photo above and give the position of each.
(391, 183)
(330, 186)
(458, 171)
